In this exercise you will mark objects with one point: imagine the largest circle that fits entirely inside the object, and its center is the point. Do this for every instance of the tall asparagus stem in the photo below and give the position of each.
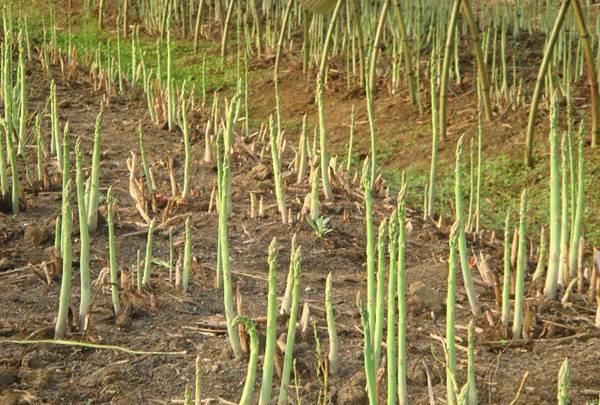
(482, 75)
(369, 361)
(187, 148)
(66, 177)
(434, 138)
(291, 333)
(462, 238)
(84, 259)
(323, 144)
(579, 208)
(12, 155)
(333, 356)
(520, 274)
(391, 343)
(224, 191)
(248, 390)
(380, 287)
(94, 193)
(148, 257)
(564, 380)
(286, 302)
(537, 92)
(187, 255)
(62, 318)
(407, 53)
(112, 252)
(271, 338)
(370, 248)
(274, 138)
(401, 291)
(506, 275)
(446, 68)
(563, 261)
(472, 390)
(451, 316)
(371, 88)
(554, 246)
(584, 36)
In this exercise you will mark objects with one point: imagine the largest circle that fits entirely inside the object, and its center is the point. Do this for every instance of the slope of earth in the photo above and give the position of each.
(164, 320)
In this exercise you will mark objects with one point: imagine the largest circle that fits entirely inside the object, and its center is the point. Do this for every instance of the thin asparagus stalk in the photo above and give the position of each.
(3, 171)
(248, 390)
(401, 291)
(66, 176)
(564, 380)
(380, 289)
(369, 361)
(187, 255)
(451, 316)
(563, 271)
(320, 102)
(434, 138)
(462, 239)
(271, 338)
(548, 51)
(554, 246)
(187, 149)
(148, 257)
(12, 156)
(84, 260)
(291, 333)
(391, 344)
(472, 390)
(289, 285)
(224, 208)
(538, 274)
(506, 276)
(370, 248)
(315, 204)
(112, 252)
(57, 236)
(371, 89)
(521, 264)
(303, 154)
(94, 194)
(145, 164)
(22, 95)
(446, 68)
(274, 137)
(62, 318)
(333, 356)
(55, 141)
(350, 141)
(580, 205)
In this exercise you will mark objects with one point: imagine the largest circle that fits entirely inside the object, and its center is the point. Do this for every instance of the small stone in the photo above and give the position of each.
(416, 373)
(423, 299)
(353, 392)
(37, 359)
(36, 235)
(6, 329)
(260, 172)
(5, 263)
(226, 354)
(9, 398)
(38, 379)
(7, 377)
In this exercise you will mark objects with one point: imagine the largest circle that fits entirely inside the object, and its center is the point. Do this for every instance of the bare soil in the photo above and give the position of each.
(165, 320)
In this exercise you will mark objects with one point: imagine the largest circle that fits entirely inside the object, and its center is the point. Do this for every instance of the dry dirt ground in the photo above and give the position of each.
(165, 320)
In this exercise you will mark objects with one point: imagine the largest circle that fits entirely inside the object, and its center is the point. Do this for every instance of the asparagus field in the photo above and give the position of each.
(299, 202)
